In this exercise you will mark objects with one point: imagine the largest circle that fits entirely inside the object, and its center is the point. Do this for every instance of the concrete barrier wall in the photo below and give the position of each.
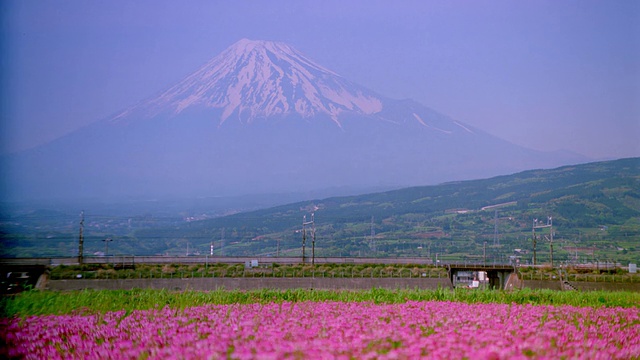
(204, 284)
(513, 282)
(582, 285)
(605, 286)
(542, 284)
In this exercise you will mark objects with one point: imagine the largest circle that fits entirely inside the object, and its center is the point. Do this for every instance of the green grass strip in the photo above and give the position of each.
(100, 301)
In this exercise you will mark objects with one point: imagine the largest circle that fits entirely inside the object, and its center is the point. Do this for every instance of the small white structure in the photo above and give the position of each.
(482, 276)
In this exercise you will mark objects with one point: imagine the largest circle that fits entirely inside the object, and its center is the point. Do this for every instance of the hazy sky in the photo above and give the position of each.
(548, 75)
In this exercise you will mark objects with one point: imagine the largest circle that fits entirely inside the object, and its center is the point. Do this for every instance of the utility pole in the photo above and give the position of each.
(313, 241)
(81, 239)
(304, 237)
(495, 228)
(551, 247)
(106, 245)
(534, 247)
(550, 238)
(221, 242)
(540, 225)
(484, 253)
(495, 209)
(372, 243)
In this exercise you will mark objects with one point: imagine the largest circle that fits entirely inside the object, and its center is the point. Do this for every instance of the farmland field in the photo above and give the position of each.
(321, 324)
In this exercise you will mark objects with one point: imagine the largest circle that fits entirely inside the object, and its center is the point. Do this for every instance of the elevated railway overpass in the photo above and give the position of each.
(130, 259)
(496, 274)
(288, 260)
(17, 274)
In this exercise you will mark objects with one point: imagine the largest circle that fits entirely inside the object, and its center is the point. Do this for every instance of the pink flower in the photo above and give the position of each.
(438, 330)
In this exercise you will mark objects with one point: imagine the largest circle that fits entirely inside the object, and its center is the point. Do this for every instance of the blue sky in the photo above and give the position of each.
(548, 75)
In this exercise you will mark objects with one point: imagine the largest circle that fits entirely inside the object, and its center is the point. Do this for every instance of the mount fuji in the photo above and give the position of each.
(262, 117)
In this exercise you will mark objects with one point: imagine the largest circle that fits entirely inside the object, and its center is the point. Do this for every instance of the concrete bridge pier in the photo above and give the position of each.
(498, 278)
(497, 275)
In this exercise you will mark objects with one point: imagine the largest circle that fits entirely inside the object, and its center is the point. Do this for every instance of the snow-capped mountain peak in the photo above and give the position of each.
(259, 79)
(186, 140)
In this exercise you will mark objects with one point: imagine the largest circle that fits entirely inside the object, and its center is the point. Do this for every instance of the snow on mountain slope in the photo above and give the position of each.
(259, 79)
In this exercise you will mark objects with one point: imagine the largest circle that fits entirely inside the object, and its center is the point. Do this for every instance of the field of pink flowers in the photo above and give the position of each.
(321, 330)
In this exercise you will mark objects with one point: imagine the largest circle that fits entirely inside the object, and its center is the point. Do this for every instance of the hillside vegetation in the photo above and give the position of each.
(595, 211)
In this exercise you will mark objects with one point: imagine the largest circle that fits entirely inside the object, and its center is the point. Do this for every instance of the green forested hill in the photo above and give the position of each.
(595, 209)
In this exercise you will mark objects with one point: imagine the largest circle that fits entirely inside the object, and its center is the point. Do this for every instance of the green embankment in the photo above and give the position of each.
(88, 301)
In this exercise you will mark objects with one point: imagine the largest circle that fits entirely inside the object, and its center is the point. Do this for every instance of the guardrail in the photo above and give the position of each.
(475, 265)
